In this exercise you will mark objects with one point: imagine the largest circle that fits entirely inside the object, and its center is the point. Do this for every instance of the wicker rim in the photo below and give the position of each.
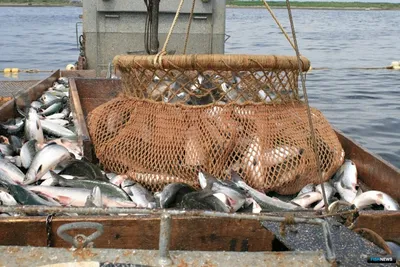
(208, 62)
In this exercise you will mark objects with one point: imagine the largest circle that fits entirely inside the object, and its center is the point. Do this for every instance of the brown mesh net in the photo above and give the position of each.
(183, 113)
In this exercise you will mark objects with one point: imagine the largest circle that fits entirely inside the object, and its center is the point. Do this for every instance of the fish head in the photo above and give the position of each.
(30, 176)
(127, 183)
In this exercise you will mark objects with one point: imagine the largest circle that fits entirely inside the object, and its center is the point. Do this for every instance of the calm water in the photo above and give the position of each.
(364, 104)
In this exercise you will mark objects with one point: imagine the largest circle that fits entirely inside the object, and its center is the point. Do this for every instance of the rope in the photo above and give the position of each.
(172, 26)
(278, 23)
(303, 83)
(188, 28)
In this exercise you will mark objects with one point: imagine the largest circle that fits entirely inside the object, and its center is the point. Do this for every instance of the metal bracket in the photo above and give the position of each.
(80, 241)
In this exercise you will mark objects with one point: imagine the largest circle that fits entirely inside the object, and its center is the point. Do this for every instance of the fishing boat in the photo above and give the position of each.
(147, 237)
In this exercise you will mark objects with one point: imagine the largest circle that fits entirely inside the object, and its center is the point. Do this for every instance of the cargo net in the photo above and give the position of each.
(213, 113)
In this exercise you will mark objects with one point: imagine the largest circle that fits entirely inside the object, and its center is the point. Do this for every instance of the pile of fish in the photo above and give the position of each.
(208, 88)
(41, 164)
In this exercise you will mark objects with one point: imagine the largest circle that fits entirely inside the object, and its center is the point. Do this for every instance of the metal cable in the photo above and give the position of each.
(278, 23)
(188, 28)
(147, 27)
(303, 83)
(172, 26)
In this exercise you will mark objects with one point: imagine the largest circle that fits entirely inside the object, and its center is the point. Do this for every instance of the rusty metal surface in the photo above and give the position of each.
(78, 73)
(86, 95)
(142, 232)
(26, 256)
(11, 88)
(94, 92)
(350, 248)
(386, 224)
(374, 171)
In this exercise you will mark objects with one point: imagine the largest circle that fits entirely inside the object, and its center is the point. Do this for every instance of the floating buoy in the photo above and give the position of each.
(14, 70)
(70, 67)
(395, 65)
(7, 70)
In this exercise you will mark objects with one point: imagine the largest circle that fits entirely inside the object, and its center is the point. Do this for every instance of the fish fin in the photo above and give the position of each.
(64, 199)
(56, 177)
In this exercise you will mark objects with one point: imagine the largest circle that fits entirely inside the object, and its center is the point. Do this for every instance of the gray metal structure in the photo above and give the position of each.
(114, 27)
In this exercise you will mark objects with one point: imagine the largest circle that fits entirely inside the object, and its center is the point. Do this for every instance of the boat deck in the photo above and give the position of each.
(11, 88)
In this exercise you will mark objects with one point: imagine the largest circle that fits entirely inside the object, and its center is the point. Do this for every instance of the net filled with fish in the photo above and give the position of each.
(181, 114)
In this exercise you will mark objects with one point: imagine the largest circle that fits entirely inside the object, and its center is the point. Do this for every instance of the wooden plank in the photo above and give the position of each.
(80, 122)
(24, 98)
(78, 73)
(386, 224)
(375, 172)
(192, 233)
(86, 95)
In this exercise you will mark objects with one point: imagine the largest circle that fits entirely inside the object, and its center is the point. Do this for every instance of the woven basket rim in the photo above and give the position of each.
(221, 62)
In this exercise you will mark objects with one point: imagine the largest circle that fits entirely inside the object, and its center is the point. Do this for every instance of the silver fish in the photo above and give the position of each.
(47, 97)
(13, 126)
(95, 199)
(225, 200)
(16, 160)
(329, 191)
(279, 154)
(24, 196)
(6, 149)
(346, 194)
(60, 87)
(204, 200)
(255, 207)
(28, 152)
(58, 121)
(56, 116)
(347, 175)
(111, 175)
(375, 197)
(16, 143)
(138, 194)
(7, 199)
(235, 196)
(117, 180)
(232, 93)
(45, 160)
(63, 80)
(33, 127)
(56, 130)
(10, 173)
(54, 108)
(307, 189)
(76, 196)
(173, 193)
(266, 202)
(66, 112)
(264, 97)
(36, 105)
(72, 146)
(57, 94)
(305, 200)
(106, 188)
